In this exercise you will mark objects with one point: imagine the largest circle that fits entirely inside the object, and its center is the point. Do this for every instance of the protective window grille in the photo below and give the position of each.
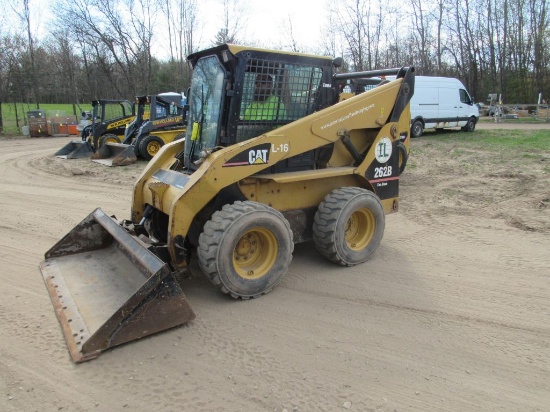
(274, 94)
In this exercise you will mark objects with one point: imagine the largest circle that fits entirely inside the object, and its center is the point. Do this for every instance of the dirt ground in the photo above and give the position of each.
(451, 314)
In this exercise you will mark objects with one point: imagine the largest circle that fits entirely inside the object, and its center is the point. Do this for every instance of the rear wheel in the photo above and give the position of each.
(108, 138)
(417, 128)
(149, 146)
(245, 249)
(349, 225)
(470, 126)
(403, 156)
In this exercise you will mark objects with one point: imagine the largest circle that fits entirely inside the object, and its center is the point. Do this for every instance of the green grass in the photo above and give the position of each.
(513, 121)
(521, 140)
(8, 114)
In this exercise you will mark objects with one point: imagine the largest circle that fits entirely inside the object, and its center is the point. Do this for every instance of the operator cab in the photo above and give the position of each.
(238, 93)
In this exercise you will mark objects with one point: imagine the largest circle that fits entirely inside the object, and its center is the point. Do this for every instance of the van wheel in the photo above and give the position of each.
(403, 156)
(150, 146)
(245, 249)
(470, 126)
(349, 225)
(417, 128)
(108, 138)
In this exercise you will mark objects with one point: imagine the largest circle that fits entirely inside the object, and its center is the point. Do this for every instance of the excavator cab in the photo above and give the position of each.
(275, 153)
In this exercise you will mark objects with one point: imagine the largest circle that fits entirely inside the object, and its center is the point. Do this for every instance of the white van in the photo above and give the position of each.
(441, 102)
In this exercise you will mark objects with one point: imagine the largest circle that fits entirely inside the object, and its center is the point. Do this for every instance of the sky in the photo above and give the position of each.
(266, 22)
(269, 18)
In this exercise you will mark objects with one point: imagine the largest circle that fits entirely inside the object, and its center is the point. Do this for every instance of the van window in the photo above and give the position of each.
(465, 97)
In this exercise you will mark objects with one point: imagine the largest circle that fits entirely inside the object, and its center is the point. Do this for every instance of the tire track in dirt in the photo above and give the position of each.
(451, 313)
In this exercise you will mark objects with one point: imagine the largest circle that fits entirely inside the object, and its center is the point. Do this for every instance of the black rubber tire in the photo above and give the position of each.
(417, 128)
(403, 157)
(349, 225)
(179, 136)
(245, 249)
(470, 126)
(108, 138)
(149, 146)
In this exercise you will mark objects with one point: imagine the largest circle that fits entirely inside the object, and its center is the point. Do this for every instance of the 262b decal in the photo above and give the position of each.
(384, 171)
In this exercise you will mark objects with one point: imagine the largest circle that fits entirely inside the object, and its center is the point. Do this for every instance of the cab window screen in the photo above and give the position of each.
(274, 94)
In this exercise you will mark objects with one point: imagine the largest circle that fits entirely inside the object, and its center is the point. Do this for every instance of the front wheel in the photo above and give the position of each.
(245, 249)
(417, 128)
(149, 146)
(349, 225)
(108, 138)
(470, 125)
(403, 156)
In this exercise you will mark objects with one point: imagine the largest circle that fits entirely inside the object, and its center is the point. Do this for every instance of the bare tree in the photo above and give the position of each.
(118, 34)
(361, 23)
(111, 47)
(25, 18)
(421, 35)
(540, 28)
(350, 20)
(289, 37)
(181, 17)
(234, 22)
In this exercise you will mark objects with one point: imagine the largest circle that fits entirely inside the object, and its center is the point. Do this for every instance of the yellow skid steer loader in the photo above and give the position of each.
(109, 121)
(275, 154)
(165, 123)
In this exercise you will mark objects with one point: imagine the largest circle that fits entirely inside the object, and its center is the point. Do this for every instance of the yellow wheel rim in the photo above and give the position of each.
(360, 229)
(111, 140)
(255, 253)
(153, 148)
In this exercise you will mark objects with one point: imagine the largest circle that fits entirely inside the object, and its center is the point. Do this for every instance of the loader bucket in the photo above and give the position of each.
(108, 288)
(76, 149)
(115, 154)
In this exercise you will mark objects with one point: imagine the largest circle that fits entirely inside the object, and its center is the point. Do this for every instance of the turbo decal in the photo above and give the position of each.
(119, 123)
(177, 119)
(256, 155)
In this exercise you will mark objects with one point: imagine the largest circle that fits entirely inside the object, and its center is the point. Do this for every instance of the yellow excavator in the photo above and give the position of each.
(275, 153)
